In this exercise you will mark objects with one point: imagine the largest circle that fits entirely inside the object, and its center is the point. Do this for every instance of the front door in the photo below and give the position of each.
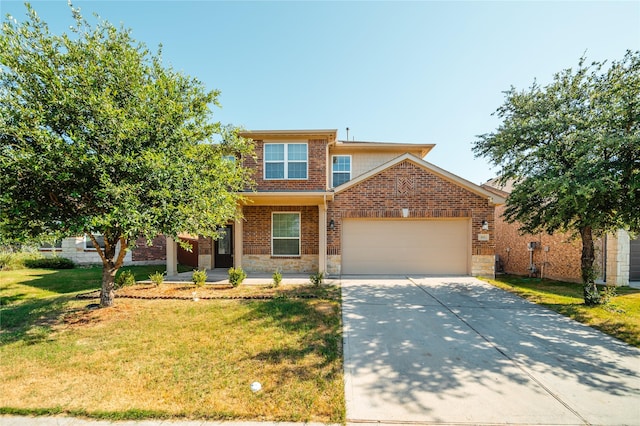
(223, 248)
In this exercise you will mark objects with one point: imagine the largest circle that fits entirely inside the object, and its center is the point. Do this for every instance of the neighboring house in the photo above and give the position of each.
(82, 252)
(557, 256)
(343, 207)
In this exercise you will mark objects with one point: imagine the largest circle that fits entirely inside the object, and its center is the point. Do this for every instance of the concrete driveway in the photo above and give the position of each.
(452, 350)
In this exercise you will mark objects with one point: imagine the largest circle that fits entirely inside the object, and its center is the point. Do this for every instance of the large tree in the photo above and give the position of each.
(99, 137)
(572, 148)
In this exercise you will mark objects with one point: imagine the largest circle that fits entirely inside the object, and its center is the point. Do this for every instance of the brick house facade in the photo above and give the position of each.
(556, 256)
(318, 200)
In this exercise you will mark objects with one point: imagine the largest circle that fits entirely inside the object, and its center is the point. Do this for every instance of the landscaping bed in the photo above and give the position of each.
(186, 291)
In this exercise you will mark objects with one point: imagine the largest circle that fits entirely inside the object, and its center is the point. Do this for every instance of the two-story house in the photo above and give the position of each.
(346, 207)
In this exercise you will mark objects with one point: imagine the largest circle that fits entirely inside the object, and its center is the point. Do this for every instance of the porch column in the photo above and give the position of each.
(322, 238)
(237, 243)
(172, 257)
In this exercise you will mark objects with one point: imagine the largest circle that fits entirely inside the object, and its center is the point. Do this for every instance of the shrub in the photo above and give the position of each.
(50, 263)
(277, 278)
(317, 278)
(10, 260)
(608, 293)
(157, 278)
(236, 276)
(199, 277)
(124, 279)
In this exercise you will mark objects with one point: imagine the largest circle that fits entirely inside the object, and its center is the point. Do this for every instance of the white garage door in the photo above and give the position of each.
(405, 246)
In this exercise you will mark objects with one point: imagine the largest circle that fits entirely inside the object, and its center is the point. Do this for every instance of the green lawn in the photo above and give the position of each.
(166, 358)
(620, 318)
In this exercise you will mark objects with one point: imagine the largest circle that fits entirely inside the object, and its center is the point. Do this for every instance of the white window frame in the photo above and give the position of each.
(350, 168)
(88, 244)
(285, 161)
(299, 238)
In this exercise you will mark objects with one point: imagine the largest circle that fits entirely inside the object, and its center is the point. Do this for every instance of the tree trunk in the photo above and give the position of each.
(590, 290)
(107, 294)
(109, 265)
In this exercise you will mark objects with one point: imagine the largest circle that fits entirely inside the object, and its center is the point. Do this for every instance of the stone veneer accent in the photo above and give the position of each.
(618, 256)
(334, 264)
(483, 266)
(268, 264)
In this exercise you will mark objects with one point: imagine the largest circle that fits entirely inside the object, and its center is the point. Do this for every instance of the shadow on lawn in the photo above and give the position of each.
(31, 321)
(318, 324)
(29, 316)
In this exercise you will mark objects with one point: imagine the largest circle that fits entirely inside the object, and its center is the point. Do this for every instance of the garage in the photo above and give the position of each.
(388, 246)
(634, 260)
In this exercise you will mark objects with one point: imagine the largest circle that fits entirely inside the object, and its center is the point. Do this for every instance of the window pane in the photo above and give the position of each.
(341, 163)
(340, 178)
(88, 244)
(48, 245)
(297, 170)
(286, 225)
(288, 247)
(274, 170)
(297, 152)
(274, 152)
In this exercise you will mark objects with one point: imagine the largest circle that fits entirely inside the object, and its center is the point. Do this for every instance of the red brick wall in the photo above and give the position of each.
(144, 252)
(561, 261)
(426, 195)
(189, 258)
(317, 169)
(256, 231)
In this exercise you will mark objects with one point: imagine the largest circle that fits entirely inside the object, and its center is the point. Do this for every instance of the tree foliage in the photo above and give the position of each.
(572, 148)
(98, 136)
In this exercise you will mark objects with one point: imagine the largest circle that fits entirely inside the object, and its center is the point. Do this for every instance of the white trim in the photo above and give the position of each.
(285, 160)
(350, 167)
(288, 238)
(88, 240)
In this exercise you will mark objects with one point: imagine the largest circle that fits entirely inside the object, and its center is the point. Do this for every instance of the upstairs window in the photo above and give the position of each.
(285, 161)
(285, 234)
(340, 169)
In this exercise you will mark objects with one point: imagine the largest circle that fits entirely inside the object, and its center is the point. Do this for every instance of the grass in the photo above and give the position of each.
(166, 358)
(619, 318)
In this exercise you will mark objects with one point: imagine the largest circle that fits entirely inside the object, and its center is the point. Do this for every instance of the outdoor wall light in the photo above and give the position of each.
(332, 225)
(485, 225)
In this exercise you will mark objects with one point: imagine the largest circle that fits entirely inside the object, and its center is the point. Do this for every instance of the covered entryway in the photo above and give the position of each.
(405, 246)
(634, 260)
(223, 248)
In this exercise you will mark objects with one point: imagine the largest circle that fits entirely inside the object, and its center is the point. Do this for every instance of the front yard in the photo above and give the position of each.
(167, 358)
(620, 318)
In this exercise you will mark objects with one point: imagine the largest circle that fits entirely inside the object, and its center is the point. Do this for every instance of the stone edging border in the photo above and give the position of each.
(91, 295)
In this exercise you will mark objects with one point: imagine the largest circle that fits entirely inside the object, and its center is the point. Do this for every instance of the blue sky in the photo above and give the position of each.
(413, 72)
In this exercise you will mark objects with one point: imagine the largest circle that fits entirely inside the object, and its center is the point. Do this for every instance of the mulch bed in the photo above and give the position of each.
(184, 291)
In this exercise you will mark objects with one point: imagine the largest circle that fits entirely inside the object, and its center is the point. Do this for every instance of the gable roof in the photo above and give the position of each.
(456, 180)
(420, 150)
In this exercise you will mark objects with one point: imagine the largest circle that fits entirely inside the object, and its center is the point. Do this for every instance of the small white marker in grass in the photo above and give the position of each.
(255, 386)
